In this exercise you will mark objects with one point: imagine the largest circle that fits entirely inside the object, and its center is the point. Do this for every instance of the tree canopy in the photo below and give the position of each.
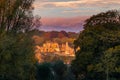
(101, 33)
(16, 15)
(16, 46)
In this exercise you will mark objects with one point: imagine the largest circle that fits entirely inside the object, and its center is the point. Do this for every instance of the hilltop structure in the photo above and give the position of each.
(53, 48)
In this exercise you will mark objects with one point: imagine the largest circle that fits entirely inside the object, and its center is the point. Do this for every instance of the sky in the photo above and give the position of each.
(69, 15)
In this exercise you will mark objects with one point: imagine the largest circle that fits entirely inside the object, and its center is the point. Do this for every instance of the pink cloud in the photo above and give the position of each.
(62, 21)
(67, 24)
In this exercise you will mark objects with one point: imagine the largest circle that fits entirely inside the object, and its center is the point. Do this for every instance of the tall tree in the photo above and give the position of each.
(16, 51)
(16, 15)
(101, 32)
(16, 57)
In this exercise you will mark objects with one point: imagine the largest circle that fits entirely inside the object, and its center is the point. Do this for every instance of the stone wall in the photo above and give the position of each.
(53, 47)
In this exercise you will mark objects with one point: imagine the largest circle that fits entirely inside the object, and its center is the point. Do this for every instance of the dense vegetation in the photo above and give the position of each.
(55, 70)
(16, 57)
(17, 61)
(99, 54)
(97, 59)
(51, 57)
(41, 37)
(16, 47)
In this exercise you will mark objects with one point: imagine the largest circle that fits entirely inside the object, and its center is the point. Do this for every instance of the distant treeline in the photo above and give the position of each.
(60, 37)
(54, 34)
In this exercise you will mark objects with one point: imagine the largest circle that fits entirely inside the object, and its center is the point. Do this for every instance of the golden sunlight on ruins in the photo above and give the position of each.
(53, 48)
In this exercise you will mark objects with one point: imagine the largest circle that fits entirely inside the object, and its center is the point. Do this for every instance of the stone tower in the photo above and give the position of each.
(66, 48)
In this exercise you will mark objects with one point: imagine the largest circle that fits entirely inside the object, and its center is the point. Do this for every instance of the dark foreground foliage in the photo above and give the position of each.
(16, 57)
(54, 71)
(99, 55)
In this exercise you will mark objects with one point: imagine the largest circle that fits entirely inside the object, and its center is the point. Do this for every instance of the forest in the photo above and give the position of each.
(97, 59)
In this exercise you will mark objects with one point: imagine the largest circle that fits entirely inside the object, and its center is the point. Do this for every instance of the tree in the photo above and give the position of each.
(62, 71)
(101, 32)
(16, 15)
(53, 71)
(44, 72)
(109, 19)
(16, 57)
(109, 61)
(16, 46)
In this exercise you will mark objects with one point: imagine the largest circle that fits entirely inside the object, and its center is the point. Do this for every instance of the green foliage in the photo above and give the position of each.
(62, 71)
(16, 57)
(16, 47)
(53, 71)
(109, 20)
(16, 15)
(97, 42)
(59, 68)
(44, 72)
(109, 63)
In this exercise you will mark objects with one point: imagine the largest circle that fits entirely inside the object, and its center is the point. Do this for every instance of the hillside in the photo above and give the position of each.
(48, 42)
(54, 34)
(41, 37)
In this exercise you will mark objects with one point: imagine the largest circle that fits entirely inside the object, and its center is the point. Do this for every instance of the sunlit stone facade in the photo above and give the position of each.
(53, 47)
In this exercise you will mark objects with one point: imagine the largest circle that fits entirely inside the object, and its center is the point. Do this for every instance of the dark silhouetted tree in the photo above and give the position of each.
(101, 32)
